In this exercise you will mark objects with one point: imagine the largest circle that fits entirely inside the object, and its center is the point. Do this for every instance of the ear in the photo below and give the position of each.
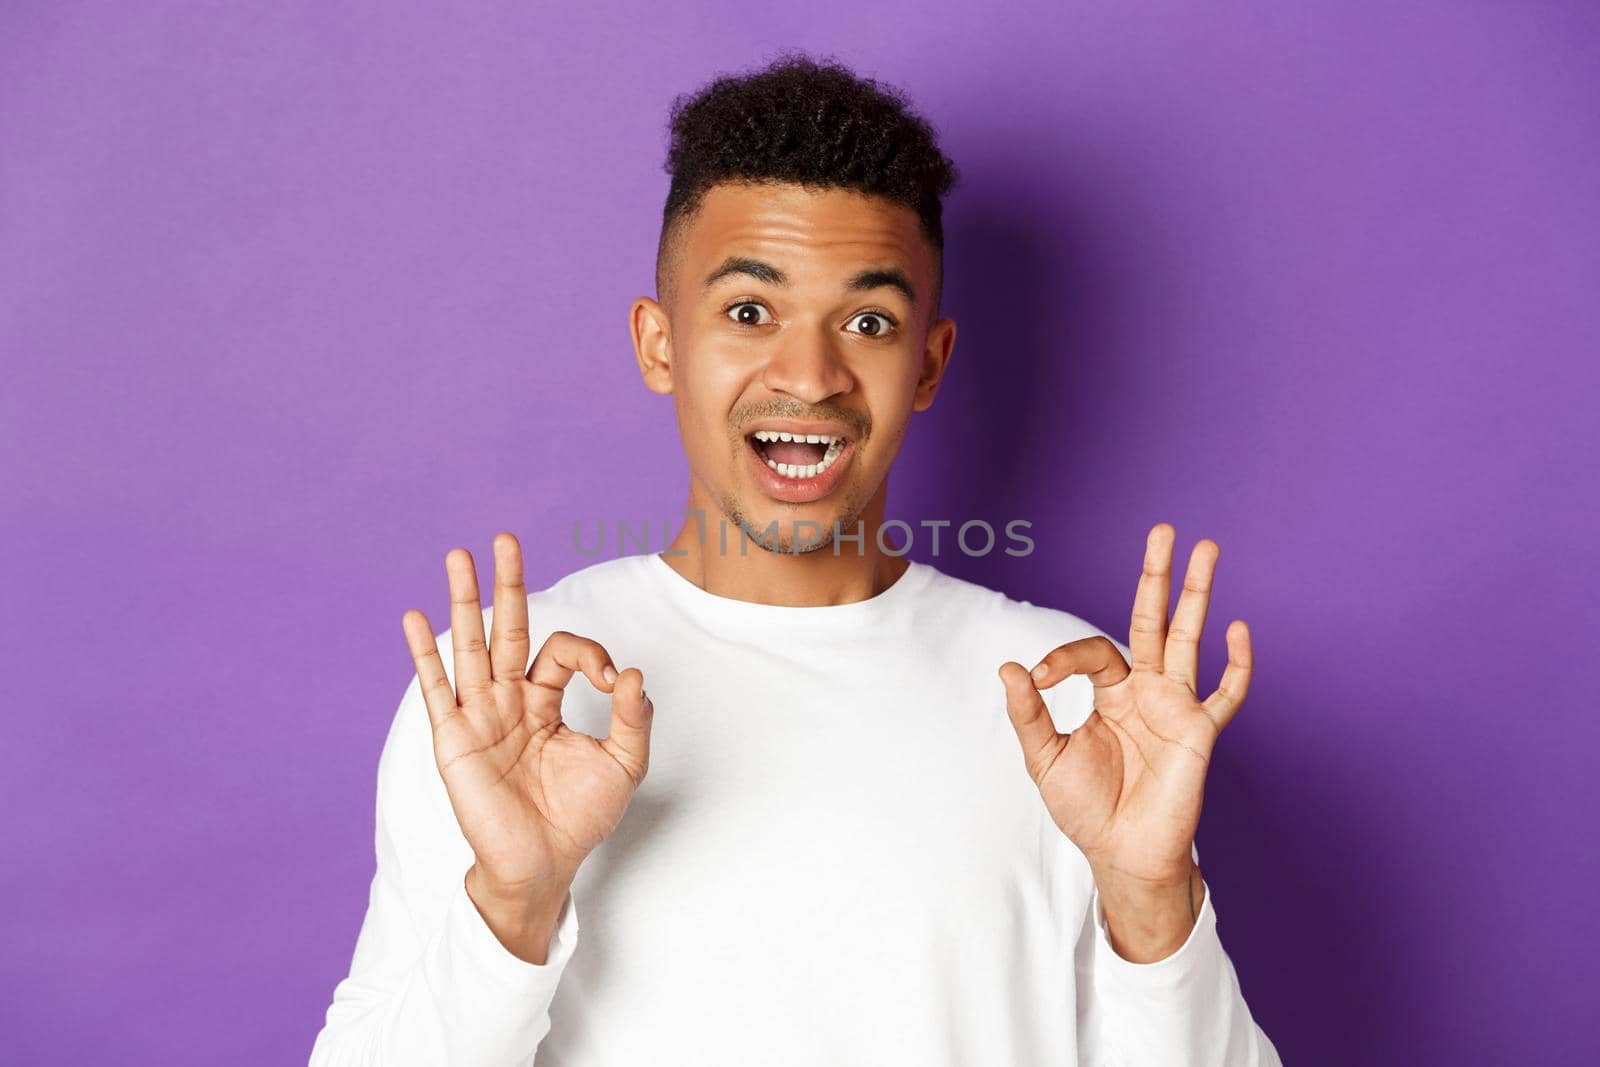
(935, 358)
(652, 344)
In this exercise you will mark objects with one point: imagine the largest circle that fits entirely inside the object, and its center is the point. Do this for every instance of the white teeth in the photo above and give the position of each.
(810, 470)
(768, 436)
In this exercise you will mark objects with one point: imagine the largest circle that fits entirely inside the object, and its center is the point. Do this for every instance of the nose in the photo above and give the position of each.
(809, 368)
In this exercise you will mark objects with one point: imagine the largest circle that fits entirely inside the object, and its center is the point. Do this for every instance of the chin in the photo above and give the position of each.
(812, 525)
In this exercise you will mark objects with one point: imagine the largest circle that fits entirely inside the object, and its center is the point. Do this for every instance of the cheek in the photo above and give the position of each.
(889, 388)
(708, 381)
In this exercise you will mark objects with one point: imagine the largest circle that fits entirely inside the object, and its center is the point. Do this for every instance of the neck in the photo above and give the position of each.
(747, 571)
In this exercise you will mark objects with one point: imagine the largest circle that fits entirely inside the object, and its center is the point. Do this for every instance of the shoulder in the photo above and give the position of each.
(1015, 620)
(1001, 627)
(618, 576)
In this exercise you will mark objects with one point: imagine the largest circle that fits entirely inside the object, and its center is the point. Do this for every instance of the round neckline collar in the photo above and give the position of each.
(854, 613)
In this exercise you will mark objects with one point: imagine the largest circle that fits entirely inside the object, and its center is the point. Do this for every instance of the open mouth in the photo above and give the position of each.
(797, 455)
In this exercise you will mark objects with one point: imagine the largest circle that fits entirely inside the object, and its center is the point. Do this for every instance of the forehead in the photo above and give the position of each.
(803, 230)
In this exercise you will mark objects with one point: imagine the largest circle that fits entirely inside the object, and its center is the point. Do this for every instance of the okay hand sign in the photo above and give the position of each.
(532, 796)
(1126, 785)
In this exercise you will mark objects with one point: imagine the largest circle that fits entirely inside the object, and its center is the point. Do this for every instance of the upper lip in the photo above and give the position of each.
(800, 426)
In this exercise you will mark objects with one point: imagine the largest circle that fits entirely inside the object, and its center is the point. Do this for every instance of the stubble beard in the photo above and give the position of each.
(785, 544)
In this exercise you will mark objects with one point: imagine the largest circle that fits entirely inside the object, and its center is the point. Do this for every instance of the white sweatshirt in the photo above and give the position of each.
(836, 857)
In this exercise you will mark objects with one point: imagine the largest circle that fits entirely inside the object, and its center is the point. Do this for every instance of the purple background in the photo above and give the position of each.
(296, 296)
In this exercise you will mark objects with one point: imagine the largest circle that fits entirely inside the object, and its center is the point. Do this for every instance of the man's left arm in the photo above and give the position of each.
(1183, 1007)
(1125, 788)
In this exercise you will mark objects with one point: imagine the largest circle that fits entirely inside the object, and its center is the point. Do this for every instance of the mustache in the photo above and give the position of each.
(859, 423)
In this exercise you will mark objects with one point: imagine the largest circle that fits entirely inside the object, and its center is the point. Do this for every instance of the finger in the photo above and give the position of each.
(1182, 654)
(435, 684)
(564, 654)
(466, 627)
(1029, 716)
(1224, 703)
(508, 627)
(631, 714)
(1149, 626)
(1095, 656)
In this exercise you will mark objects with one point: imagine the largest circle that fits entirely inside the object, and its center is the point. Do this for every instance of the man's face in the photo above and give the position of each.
(796, 341)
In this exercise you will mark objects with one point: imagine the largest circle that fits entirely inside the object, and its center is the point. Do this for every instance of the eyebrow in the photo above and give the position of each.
(874, 278)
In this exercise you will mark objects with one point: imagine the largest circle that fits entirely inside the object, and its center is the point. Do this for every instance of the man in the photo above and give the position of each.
(826, 850)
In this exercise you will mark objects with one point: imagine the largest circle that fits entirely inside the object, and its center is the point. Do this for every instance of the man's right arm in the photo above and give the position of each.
(488, 803)
(431, 982)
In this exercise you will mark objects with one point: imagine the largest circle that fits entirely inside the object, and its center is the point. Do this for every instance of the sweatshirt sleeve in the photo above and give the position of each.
(429, 982)
(1182, 1011)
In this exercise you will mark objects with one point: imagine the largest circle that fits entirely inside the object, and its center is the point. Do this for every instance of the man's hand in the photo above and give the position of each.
(532, 796)
(1126, 785)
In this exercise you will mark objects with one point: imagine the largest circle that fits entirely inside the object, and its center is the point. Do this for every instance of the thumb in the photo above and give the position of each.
(1029, 715)
(631, 714)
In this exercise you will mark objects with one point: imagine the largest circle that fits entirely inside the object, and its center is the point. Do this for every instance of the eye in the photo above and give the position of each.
(872, 324)
(749, 313)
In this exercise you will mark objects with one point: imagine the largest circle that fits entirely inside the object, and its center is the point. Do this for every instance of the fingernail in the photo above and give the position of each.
(609, 673)
(1039, 672)
(644, 697)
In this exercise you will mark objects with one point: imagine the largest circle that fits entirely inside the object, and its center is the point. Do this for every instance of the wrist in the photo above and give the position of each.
(1148, 919)
(522, 917)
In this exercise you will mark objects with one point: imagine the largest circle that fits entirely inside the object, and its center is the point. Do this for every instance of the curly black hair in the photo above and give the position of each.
(808, 122)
